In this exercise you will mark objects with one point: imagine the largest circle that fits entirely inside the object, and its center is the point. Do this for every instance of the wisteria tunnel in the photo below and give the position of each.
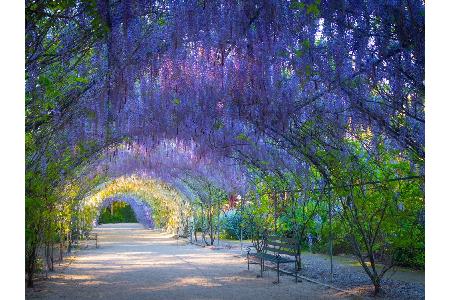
(229, 121)
(142, 211)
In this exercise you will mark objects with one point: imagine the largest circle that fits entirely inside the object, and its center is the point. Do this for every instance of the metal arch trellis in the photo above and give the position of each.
(332, 187)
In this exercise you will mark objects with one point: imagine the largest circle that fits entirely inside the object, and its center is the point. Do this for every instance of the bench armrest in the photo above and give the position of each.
(249, 249)
(91, 236)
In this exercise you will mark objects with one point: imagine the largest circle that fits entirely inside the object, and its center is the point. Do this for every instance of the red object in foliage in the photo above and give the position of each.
(233, 200)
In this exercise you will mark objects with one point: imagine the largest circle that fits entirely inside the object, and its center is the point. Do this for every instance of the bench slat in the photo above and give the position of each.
(274, 258)
(283, 245)
(282, 239)
(281, 251)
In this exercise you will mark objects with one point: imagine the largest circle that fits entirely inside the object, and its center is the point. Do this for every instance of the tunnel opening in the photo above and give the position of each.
(117, 212)
(123, 209)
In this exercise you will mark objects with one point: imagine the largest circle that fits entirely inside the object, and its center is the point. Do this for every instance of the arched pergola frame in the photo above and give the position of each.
(155, 203)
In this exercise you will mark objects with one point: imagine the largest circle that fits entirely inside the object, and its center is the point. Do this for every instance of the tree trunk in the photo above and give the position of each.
(218, 223)
(52, 268)
(211, 229)
(69, 241)
(47, 258)
(377, 287)
(60, 247)
(31, 265)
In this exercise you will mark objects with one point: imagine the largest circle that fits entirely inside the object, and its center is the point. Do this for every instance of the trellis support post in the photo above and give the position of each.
(330, 237)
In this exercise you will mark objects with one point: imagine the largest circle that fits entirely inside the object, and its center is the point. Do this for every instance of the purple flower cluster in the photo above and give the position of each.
(213, 90)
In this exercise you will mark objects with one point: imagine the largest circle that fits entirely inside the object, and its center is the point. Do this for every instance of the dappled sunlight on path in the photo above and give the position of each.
(136, 263)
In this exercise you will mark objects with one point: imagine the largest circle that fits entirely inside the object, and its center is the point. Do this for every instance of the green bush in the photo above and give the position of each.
(122, 213)
(231, 226)
(410, 257)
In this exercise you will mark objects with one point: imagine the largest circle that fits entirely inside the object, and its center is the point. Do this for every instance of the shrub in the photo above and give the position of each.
(123, 213)
(231, 225)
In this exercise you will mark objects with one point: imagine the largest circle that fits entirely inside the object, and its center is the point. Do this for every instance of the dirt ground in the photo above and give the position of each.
(136, 263)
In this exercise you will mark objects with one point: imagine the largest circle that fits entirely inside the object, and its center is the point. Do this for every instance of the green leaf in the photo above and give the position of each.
(313, 8)
(243, 137)
(81, 79)
(218, 125)
(297, 5)
(308, 70)
(162, 21)
(306, 44)
(90, 114)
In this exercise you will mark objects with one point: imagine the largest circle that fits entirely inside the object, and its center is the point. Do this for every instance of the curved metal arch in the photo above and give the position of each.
(141, 209)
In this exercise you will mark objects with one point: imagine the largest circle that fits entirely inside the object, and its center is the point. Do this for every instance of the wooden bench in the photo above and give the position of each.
(76, 237)
(93, 236)
(273, 249)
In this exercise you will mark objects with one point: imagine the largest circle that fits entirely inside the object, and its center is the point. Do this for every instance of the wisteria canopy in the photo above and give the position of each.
(199, 93)
(196, 86)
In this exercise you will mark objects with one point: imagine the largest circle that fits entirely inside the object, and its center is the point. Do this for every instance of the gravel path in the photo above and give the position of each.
(134, 263)
(349, 275)
(354, 278)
